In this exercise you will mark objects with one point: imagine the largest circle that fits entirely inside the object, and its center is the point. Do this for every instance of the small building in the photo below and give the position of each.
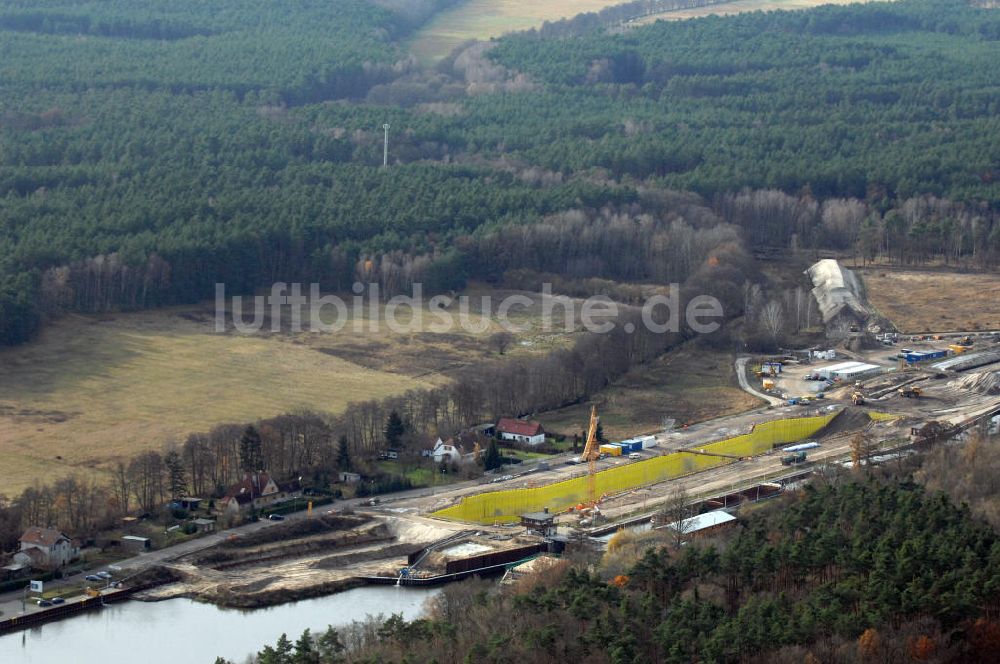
(520, 431)
(346, 477)
(46, 548)
(704, 524)
(204, 525)
(859, 372)
(15, 571)
(487, 430)
(136, 544)
(446, 452)
(848, 371)
(189, 503)
(540, 523)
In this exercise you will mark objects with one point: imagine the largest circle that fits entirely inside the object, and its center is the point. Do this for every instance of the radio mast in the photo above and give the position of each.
(385, 147)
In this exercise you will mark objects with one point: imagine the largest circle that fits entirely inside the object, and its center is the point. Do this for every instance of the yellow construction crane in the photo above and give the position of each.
(591, 452)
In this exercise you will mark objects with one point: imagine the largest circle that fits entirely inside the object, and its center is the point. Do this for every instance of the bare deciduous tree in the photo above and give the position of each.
(772, 321)
(676, 510)
(121, 487)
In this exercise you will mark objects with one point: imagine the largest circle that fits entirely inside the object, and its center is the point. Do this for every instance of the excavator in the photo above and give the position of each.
(858, 398)
(911, 392)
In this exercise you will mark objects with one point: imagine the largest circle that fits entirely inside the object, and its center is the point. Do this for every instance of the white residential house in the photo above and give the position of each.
(46, 548)
(446, 452)
(520, 431)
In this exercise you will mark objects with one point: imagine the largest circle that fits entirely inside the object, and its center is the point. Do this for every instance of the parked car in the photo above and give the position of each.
(634, 455)
(276, 517)
(104, 575)
(44, 602)
(93, 577)
(57, 600)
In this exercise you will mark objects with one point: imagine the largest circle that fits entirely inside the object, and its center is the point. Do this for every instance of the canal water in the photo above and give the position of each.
(182, 630)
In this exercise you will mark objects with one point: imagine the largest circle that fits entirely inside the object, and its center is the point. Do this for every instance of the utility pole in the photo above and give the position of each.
(385, 147)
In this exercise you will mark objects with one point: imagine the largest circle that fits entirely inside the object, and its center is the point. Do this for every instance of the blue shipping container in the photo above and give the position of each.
(631, 445)
(923, 356)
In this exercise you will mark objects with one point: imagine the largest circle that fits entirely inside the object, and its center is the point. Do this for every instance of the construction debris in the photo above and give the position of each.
(985, 383)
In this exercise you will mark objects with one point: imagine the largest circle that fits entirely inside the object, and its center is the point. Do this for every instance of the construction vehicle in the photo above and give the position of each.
(910, 392)
(793, 459)
(591, 452)
(966, 341)
(858, 399)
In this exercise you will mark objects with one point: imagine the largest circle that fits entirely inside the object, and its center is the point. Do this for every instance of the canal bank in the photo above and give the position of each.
(183, 630)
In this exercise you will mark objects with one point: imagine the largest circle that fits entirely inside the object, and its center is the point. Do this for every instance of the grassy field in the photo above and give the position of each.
(686, 385)
(92, 390)
(935, 300)
(483, 19)
(738, 7)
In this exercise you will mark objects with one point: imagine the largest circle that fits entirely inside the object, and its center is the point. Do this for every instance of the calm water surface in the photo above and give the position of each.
(181, 631)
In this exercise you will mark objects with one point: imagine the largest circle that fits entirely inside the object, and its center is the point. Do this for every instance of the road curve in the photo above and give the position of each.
(741, 375)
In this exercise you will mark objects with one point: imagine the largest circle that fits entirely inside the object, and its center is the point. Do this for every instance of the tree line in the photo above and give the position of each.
(912, 231)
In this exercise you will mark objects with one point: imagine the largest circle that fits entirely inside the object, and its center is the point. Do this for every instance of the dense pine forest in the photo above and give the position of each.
(848, 571)
(148, 151)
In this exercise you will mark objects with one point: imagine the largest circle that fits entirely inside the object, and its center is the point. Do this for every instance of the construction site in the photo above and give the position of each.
(865, 397)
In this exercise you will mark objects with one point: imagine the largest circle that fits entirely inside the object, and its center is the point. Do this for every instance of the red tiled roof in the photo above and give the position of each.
(519, 427)
(250, 487)
(42, 536)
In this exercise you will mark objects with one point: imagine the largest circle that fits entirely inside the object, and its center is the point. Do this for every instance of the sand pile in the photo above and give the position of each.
(987, 382)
